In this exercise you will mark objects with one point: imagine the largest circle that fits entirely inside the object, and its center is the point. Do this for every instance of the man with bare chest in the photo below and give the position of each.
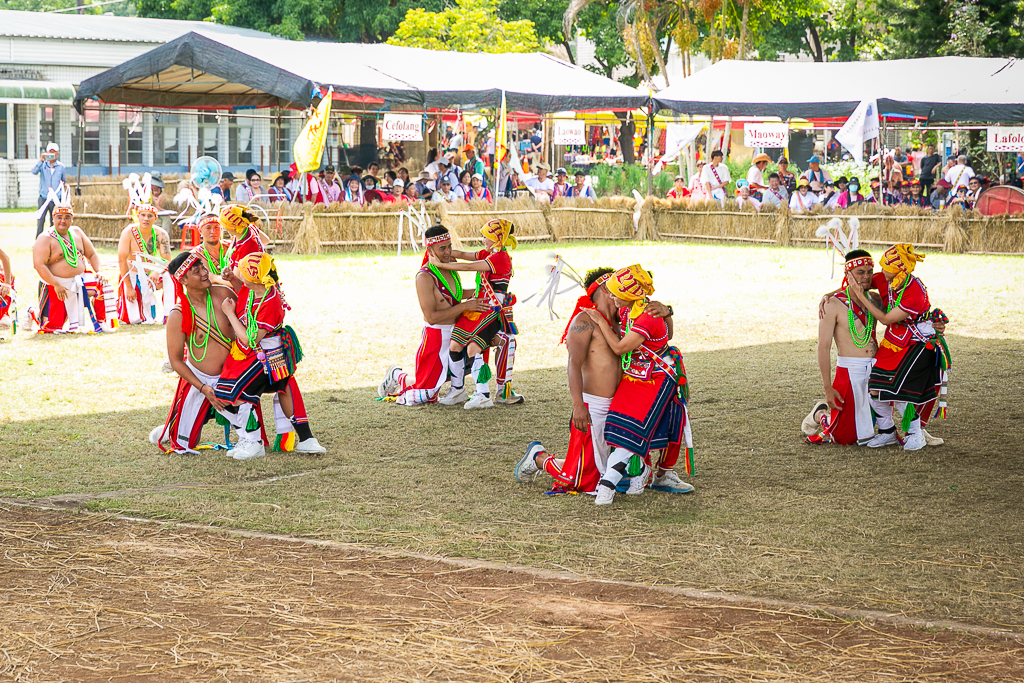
(141, 248)
(59, 255)
(440, 294)
(594, 373)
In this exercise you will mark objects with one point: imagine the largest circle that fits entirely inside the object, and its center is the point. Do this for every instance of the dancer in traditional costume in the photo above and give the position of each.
(440, 297)
(594, 373)
(7, 320)
(69, 294)
(648, 411)
(141, 252)
(912, 360)
(214, 252)
(265, 352)
(475, 332)
(246, 238)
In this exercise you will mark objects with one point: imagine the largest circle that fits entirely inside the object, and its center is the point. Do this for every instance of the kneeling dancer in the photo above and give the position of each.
(648, 411)
(265, 352)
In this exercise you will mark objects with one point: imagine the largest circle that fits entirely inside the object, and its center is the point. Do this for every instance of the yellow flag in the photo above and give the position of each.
(309, 146)
(500, 143)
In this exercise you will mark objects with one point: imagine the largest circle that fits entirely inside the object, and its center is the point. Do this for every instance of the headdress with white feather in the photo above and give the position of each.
(837, 241)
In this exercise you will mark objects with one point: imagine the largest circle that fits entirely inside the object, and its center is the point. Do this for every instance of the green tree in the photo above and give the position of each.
(922, 28)
(470, 26)
(546, 16)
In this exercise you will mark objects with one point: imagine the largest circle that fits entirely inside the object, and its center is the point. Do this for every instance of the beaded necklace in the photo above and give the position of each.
(457, 293)
(142, 243)
(627, 358)
(217, 267)
(211, 322)
(859, 340)
(894, 304)
(251, 329)
(69, 249)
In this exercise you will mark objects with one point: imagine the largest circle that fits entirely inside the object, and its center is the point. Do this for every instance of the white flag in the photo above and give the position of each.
(859, 128)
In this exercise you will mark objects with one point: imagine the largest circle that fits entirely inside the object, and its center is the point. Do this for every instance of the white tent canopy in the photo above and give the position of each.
(937, 89)
(214, 71)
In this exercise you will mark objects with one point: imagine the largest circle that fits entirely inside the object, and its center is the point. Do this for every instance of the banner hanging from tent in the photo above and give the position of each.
(570, 133)
(1005, 139)
(859, 128)
(403, 127)
(770, 135)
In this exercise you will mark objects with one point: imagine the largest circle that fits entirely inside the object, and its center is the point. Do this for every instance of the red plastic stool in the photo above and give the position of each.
(189, 237)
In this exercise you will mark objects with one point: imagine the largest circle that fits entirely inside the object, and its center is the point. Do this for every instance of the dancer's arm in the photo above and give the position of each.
(630, 342)
(432, 315)
(5, 261)
(581, 332)
(894, 316)
(471, 266)
(176, 340)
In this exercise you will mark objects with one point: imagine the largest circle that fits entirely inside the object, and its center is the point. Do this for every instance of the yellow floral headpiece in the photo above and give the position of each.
(632, 284)
(255, 268)
(232, 219)
(900, 259)
(500, 231)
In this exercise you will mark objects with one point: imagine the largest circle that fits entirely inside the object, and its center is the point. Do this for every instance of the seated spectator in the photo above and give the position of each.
(424, 183)
(223, 188)
(411, 193)
(775, 194)
(939, 199)
(755, 176)
(974, 190)
(816, 172)
(353, 190)
(244, 193)
(581, 188)
(330, 187)
(292, 186)
(804, 200)
(397, 187)
(462, 190)
(278, 190)
(960, 174)
(695, 187)
(715, 177)
(369, 182)
(829, 196)
(543, 187)
(477, 189)
(373, 169)
(679, 190)
(903, 197)
(959, 198)
(561, 188)
(388, 182)
(917, 197)
(878, 194)
(403, 175)
(744, 198)
(851, 196)
(787, 179)
(443, 193)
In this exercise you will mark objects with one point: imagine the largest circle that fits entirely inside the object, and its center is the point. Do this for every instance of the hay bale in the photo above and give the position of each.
(307, 241)
(604, 219)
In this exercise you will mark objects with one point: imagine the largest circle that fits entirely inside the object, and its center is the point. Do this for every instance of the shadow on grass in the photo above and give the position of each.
(918, 533)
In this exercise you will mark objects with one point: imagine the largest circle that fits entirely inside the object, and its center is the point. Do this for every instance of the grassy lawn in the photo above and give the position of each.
(934, 533)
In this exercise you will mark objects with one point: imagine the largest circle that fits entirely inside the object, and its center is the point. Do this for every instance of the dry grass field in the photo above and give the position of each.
(931, 535)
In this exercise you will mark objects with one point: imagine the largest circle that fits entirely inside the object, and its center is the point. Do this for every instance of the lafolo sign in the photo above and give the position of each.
(403, 127)
(770, 135)
(1002, 139)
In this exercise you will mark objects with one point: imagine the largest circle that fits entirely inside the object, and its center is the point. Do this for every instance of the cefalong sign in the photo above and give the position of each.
(770, 135)
(403, 127)
(1002, 139)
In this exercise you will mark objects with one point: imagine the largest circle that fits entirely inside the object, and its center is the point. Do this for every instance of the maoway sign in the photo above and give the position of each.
(1004, 139)
(403, 127)
(770, 135)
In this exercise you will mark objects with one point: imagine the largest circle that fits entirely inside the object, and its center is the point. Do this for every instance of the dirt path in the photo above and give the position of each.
(88, 599)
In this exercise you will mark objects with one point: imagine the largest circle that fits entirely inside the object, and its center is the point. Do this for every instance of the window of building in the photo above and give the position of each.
(47, 130)
(239, 141)
(5, 111)
(208, 126)
(130, 127)
(91, 130)
(165, 140)
(282, 141)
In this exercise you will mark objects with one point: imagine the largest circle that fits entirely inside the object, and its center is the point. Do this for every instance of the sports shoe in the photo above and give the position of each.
(453, 397)
(310, 447)
(605, 495)
(509, 397)
(812, 423)
(638, 483)
(390, 381)
(931, 440)
(247, 450)
(670, 482)
(479, 401)
(156, 435)
(526, 469)
(915, 441)
(880, 440)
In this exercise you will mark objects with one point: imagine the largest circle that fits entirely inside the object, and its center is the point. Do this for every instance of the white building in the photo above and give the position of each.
(44, 56)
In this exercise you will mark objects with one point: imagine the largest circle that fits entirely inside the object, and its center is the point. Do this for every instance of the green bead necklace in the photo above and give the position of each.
(216, 267)
(69, 250)
(859, 340)
(627, 358)
(894, 304)
(457, 294)
(211, 321)
(251, 329)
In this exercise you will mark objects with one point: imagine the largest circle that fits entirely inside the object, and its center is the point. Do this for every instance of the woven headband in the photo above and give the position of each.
(438, 239)
(179, 274)
(597, 283)
(858, 262)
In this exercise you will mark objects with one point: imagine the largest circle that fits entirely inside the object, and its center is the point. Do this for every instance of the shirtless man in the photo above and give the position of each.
(59, 256)
(440, 297)
(136, 295)
(594, 373)
(215, 255)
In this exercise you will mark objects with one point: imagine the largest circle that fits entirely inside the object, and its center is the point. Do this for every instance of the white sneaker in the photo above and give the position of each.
(156, 435)
(247, 450)
(932, 440)
(880, 440)
(605, 495)
(453, 397)
(638, 483)
(390, 381)
(669, 481)
(914, 442)
(526, 469)
(310, 447)
(512, 399)
(479, 401)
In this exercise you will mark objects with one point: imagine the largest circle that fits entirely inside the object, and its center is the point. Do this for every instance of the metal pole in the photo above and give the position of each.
(650, 145)
(81, 151)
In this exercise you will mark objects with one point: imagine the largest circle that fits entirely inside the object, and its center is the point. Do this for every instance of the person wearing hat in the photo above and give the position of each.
(903, 197)
(678, 190)
(829, 196)
(787, 179)
(851, 195)
(542, 186)
(743, 196)
(803, 200)
(917, 198)
(161, 201)
(939, 197)
(278, 189)
(424, 183)
(330, 187)
(447, 169)
(477, 189)
(52, 175)
(561, 188)
(816, 172)
(443, 193)
(582, 188)
(878, 194)
(223, 188)
(353, 190)
(473, 163)
(755, 176)
(715, 178)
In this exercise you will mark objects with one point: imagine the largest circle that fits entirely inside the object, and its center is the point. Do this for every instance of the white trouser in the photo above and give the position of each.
(598, 407)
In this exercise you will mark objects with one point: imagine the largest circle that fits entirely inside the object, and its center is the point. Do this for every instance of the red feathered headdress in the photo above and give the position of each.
(585, 301)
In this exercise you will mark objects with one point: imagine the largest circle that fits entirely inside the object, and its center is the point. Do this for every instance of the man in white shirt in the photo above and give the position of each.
(816, 172)
(802, 200)
(755, 176)
(776, 194)
(715, 178)
(543, 186)
(959, 175)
